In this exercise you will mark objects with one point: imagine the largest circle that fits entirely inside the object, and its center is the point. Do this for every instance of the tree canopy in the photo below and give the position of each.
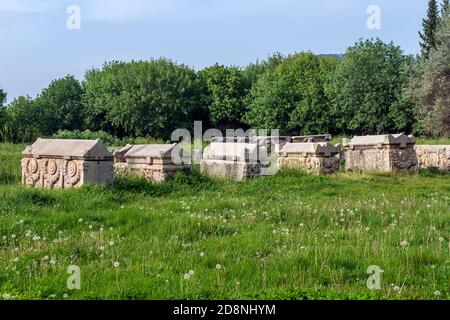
(140, 98)
(291, 97)
(431, 86)
(366, 89)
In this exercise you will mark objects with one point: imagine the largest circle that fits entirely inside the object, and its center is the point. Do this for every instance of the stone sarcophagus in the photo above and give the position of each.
(65, 163)
(433, 156)
(268, 148)
(154, 162)
(319, 157)
(233, 160)
(390, 152)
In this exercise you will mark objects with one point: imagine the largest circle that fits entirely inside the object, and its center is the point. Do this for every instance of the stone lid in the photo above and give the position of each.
(314, 148)
(237, 151)
(312, 138)
(380, 140)
(68, 149)
(150, 150)
(252, 139)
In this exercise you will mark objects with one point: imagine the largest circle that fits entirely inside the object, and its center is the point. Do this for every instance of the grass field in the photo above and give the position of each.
(290, 236)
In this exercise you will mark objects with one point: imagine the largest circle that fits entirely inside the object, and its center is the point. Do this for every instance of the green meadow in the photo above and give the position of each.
(289, 236)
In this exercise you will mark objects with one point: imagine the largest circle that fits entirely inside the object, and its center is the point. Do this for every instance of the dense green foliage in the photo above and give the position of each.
(291, 96)
(106, 138)
(60, 105)
(224, 92)
(373, 88)
(366, 91)
(140, 98)
(430, 88)
(289, 236)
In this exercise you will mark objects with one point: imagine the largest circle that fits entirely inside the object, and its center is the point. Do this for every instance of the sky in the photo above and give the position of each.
(42, 40)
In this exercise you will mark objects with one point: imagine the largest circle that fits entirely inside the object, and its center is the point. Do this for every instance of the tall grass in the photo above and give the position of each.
(10, 171)
(289, 236)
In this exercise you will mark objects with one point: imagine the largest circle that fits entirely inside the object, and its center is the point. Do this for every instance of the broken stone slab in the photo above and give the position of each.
(263, 140)
(119, 153)
(319, 157)
(312, 138)
(66, 163)
(390, 152)
(154, 162)
(433, 156)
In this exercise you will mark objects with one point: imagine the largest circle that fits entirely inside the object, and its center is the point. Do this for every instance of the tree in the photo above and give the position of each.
(429, 28)
(2, 97)
(445, 8)
(60, 105)
(366, 90)
(23, 121)
(223, 94)
(140, 98)
(2, 114)
(254, 71)
(291, 97)
(430, 88)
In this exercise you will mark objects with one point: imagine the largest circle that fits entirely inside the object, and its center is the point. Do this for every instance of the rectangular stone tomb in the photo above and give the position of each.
(268, 149)
(66, 163)
(237, 161)
(433, 156)
(154, 162)
(390, 152)
(312, 138)
(318, 157)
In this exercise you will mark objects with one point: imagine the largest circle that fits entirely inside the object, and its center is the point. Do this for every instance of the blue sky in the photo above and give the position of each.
(36, 46)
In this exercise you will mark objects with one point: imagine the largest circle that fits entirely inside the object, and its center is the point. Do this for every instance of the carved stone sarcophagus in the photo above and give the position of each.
(66, 163)
(390, 152)
(320, 157)
(154, 162)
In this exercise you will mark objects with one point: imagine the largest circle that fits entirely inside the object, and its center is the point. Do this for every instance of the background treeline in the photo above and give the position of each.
(373, 88)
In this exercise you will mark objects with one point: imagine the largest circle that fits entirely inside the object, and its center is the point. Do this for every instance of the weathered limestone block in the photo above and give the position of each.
(433, 156)
(312, 138)
(391, 152)
(66, 163)
(321, 157)
(238, 161)
(154, 162)
(268, 149)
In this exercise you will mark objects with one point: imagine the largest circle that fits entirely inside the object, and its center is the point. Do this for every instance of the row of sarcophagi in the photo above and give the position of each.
(61, 163)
